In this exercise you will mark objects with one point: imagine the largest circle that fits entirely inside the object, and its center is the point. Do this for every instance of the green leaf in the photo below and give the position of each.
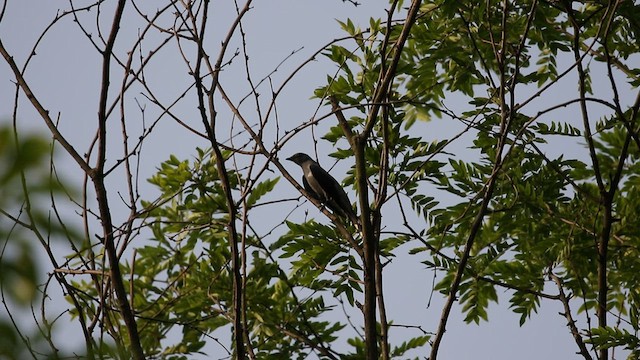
(260, 190)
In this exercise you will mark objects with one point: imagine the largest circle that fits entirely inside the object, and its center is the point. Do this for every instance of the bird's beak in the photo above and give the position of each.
(290, 158)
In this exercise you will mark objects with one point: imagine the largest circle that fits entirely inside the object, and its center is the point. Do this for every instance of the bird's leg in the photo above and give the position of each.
(322, 206)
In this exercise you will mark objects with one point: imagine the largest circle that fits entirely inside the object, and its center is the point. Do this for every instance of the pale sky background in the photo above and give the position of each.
(65, 76)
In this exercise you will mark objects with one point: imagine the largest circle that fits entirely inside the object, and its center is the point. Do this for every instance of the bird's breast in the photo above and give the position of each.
(316, 186)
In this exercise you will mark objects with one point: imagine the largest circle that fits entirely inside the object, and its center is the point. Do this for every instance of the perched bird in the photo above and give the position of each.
(323, 187)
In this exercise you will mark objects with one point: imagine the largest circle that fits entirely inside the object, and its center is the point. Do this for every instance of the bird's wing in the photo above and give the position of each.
(326, 182)
(337, 199)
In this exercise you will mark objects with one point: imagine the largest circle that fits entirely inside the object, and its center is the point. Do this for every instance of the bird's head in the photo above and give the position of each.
(299, 158)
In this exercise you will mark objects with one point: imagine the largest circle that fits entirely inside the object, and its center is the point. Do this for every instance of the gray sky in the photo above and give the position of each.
(65, 76)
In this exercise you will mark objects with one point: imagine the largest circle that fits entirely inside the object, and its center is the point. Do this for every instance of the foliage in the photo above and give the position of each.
(544, 214)
(186, 268)
(25, 184)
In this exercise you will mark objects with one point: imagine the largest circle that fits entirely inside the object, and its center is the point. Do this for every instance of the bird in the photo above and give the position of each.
(323, 187)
